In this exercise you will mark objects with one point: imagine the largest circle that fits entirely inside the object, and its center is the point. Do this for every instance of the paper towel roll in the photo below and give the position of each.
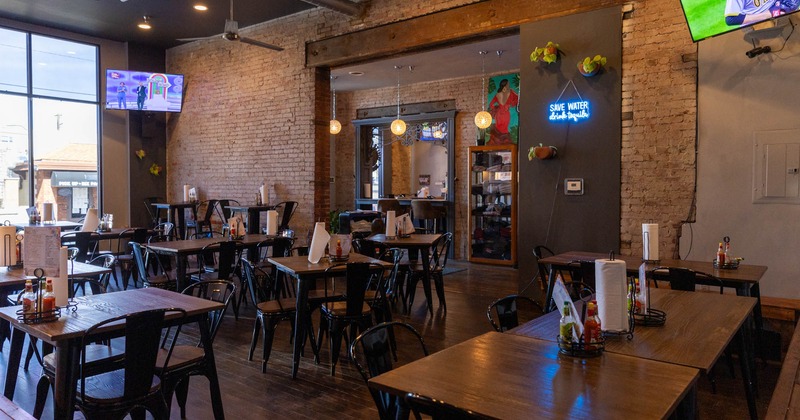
(272, 222)
(186, 193)
(8, 245)
(650, 241)
(641, 294)
(318, 243)
(91, 221)
(262, 191)
(47, 212)
(61, 283)
(391, 229)
(612, 294)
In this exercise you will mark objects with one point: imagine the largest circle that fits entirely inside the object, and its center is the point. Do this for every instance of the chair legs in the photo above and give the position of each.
(338, 329)
(42, 388)
(411, 289)
(268, 329)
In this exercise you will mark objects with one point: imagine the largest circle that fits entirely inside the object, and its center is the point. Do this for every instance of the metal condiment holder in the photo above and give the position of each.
(581, 348)
(39, 316)
(650, 317)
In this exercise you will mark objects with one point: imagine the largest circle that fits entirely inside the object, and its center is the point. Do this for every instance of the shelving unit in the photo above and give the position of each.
(493, 204)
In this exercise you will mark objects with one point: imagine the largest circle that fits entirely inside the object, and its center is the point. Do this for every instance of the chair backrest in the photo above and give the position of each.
(106, 261)
(503, 313)
(359, 276)
(392, 255)
(285, 211)
(441, 249)
(687, 279)
(136, 235)
(223, 212)
(387, 204)
(86, 242)
(260, 284)
(541, 251)
(217, 291)
(165, 230)
(154, 213)
(224, 254)
(373, 355)
(142, 338)
(437, 410)
(138, 256)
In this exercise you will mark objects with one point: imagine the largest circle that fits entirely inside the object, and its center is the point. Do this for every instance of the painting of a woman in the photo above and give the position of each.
(504, 113)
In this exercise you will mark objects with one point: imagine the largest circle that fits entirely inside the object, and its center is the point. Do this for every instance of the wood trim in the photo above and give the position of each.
(406, 109)
(452, 26)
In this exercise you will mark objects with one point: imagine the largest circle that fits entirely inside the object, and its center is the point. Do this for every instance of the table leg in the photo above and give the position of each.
(14, 357)
(551, 282)
(426, 281)
(67, 360)
(211, 369)
(745, 361)
(180, 271)
(253, 221)
(300, 322)
(181, 224)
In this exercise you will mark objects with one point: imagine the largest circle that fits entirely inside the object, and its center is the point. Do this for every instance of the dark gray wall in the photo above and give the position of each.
(588, 149)
(148, 131)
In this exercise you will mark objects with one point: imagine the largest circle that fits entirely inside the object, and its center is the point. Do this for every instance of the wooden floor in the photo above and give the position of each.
(249, 394)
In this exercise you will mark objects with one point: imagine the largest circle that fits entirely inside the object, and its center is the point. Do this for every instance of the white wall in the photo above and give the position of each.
(737, 98)
(429, 159)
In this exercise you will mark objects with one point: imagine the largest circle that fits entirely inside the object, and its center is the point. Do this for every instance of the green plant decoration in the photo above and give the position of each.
(549, 53)
(591, 66)
(333, 216)
(155, 169)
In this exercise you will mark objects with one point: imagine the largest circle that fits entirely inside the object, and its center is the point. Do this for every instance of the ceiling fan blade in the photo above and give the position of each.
(199, 38)
(260, 44)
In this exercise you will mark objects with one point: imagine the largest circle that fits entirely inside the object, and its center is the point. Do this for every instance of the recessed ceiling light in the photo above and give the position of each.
(200, 7)
(145, 23)
(356, 73)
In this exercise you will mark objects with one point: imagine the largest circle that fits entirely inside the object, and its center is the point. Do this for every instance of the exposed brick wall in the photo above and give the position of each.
(252, 115)
(659, 89)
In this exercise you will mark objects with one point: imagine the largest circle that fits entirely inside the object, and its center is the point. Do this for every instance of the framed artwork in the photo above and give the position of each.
(503, 98)
(424, 180)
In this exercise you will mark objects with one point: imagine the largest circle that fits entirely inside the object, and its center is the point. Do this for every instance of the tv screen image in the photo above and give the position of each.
(707, 18)
(143, 91)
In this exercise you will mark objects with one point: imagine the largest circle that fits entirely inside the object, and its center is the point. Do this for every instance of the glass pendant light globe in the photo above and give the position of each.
(398, 127)
(336, 126)
(483, 119)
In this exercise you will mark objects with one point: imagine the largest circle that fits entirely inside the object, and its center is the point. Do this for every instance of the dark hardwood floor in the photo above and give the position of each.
(249, 394)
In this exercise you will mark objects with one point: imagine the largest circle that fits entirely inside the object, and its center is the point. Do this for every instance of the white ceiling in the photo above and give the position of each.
(447, 63)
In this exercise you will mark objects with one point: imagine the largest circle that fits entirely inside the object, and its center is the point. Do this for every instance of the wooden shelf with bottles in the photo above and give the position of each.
(493, 204)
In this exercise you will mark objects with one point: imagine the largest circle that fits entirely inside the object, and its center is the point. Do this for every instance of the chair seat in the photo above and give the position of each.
(272, 307)
(339, 309)
(95, 355)
(181, 356)
(106, 388)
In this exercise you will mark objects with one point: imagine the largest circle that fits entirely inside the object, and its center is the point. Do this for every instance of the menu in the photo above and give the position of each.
(41, 250)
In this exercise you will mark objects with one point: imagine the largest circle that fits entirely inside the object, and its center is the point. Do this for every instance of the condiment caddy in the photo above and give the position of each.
(725, 259)
(586, 342)
(40, 305)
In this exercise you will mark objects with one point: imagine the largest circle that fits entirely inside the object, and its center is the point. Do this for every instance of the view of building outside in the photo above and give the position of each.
(51, 121)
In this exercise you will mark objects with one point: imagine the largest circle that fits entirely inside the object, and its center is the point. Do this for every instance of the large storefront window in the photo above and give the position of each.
(49, 129)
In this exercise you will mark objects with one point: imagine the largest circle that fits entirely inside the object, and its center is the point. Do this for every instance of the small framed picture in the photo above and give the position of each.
(424, 180)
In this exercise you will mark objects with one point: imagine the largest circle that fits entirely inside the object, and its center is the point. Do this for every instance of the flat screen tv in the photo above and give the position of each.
(143, 91)
(707, 18)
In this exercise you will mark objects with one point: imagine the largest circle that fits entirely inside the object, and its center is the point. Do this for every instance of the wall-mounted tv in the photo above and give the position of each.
(143, 91)
(707, 18)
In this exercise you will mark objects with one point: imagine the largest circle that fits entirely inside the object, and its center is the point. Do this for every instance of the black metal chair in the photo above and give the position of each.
(353, 312)
(98, 284)
(382, 295)
(115, 393)
(503, 313)
(190, 360)
(161, 279)
(269, 309)
(376, 356)
(285, 211)
(207, 209)
(439, 410)
(86, 242)
(220, 261)
(154, 213)
(223, 212)
(125, 259)
(436, 263)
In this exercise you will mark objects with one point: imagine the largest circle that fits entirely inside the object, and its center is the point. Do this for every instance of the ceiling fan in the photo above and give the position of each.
(232, 34)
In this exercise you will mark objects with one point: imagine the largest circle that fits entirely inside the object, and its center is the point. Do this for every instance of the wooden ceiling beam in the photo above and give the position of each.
(342, 6)
(448, 27)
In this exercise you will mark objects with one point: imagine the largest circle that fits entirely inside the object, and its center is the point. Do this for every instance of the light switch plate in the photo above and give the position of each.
(573, 186)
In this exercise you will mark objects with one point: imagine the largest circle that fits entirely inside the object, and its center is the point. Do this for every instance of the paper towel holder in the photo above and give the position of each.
(650, 317)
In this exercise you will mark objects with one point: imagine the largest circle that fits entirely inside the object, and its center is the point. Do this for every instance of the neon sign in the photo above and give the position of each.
(572, 111)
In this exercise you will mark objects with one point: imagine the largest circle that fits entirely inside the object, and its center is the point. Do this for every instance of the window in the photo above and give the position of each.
(49, 124)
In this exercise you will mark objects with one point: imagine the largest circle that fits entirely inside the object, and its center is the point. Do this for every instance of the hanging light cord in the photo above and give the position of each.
(398, 91)
(483, 80)
(333, 85)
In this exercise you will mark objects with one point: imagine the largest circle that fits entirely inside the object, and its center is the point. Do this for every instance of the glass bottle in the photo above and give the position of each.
(49, 300)
(28, 300)
(566, 325)
(338, 248)
(720, 255)
(591, 327)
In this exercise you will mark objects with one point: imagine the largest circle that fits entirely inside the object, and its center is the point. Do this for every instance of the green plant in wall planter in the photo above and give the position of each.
(591, 66)
(548, 54)
(542, 152)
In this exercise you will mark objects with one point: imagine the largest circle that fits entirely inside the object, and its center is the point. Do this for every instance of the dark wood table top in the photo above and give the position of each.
(299, 265)
(698, 329)
(176, 205)
(59, 223)
(113, 233)
(190, 246)
(247, 208)
(514, 377)
(96, 308)
(15, 276)
(745, 273)
(785, 402)
(415, 240)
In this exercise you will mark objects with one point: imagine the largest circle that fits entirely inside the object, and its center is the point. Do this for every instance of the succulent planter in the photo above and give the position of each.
(548, 54)
(591, 66)
(542, 152)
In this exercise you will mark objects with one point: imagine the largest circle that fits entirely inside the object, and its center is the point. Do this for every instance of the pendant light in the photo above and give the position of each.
(398, 125)
(483, 119)
(335, 126)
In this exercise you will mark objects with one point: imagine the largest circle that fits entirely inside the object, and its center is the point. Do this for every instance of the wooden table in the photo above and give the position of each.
(179, 219)
(59, 223)
(421, 245)
(10, 411)
(698, 329)
(253, 215)
(307, 274)
(508, 376)
(14, 277)
(66, 333)
(785, 402)
(183, 249)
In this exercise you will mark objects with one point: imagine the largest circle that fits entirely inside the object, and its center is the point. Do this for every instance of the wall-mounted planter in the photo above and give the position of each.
(591, 66)
(548, 54)
(542, 152)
